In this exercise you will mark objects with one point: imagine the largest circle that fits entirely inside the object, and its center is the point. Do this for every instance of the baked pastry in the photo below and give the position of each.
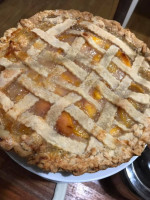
(74, 92)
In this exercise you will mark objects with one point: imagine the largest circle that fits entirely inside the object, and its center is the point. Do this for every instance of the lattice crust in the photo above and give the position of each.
(74, 92)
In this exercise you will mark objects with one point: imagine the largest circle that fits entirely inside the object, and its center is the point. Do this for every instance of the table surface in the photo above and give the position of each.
(11, 11)
(16, 183)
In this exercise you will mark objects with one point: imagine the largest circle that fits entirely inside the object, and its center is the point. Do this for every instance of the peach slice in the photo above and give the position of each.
(101, 42)
(136, 88)
(96, 94)
(112, 68)
(97, 40)
(80, 132)
(68, 127)
(96, 58)
(124, 58)
(87, 107)
(65, 124)
(59, 50)
(69, 77)
(125, 118)
(115, 131)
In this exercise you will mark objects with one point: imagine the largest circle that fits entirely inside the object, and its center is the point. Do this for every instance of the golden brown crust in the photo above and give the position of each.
(95, 159)
(110, 25)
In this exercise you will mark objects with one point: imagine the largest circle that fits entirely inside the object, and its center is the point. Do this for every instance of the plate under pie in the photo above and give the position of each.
(74, 92)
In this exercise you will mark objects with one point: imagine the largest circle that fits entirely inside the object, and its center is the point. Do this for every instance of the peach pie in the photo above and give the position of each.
(74, 92)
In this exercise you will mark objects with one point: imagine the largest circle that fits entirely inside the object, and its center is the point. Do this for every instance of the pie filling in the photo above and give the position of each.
(40, 108)
(124, 118)
(15, 91)
(66, 38)
(136, 88)
(66, 125)
(75, 73)
(17, 129)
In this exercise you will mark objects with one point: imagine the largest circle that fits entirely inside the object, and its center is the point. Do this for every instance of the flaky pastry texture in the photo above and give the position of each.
(74, 92)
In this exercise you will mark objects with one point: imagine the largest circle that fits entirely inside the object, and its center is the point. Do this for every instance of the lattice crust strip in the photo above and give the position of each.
(28, 101)
(82, 92)
(92, 75)
(101, 67)
(5, 62)
(5, 102)
(38, 90)
(49, 36)
(89, 125)
(70, 65)
(50, 135)
(128, 107)
(75, 48)
(59, 106)
(132, 73)
(108, 36)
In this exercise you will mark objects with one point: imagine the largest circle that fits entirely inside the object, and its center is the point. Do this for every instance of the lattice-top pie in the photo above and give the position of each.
(74, 92)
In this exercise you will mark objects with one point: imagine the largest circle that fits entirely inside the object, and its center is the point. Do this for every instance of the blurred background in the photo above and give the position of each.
(11, 11)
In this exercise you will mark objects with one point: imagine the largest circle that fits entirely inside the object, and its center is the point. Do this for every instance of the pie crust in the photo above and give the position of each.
(74, 92)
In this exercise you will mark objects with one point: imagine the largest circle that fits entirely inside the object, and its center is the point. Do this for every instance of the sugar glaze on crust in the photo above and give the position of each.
(55, 152)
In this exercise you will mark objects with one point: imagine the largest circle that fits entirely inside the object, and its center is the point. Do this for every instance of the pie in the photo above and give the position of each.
(74, 92)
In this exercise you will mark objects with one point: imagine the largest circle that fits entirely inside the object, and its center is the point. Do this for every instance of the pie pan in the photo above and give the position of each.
(67, 177)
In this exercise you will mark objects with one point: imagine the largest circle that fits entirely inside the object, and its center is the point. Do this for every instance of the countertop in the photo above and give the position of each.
(11, 11)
